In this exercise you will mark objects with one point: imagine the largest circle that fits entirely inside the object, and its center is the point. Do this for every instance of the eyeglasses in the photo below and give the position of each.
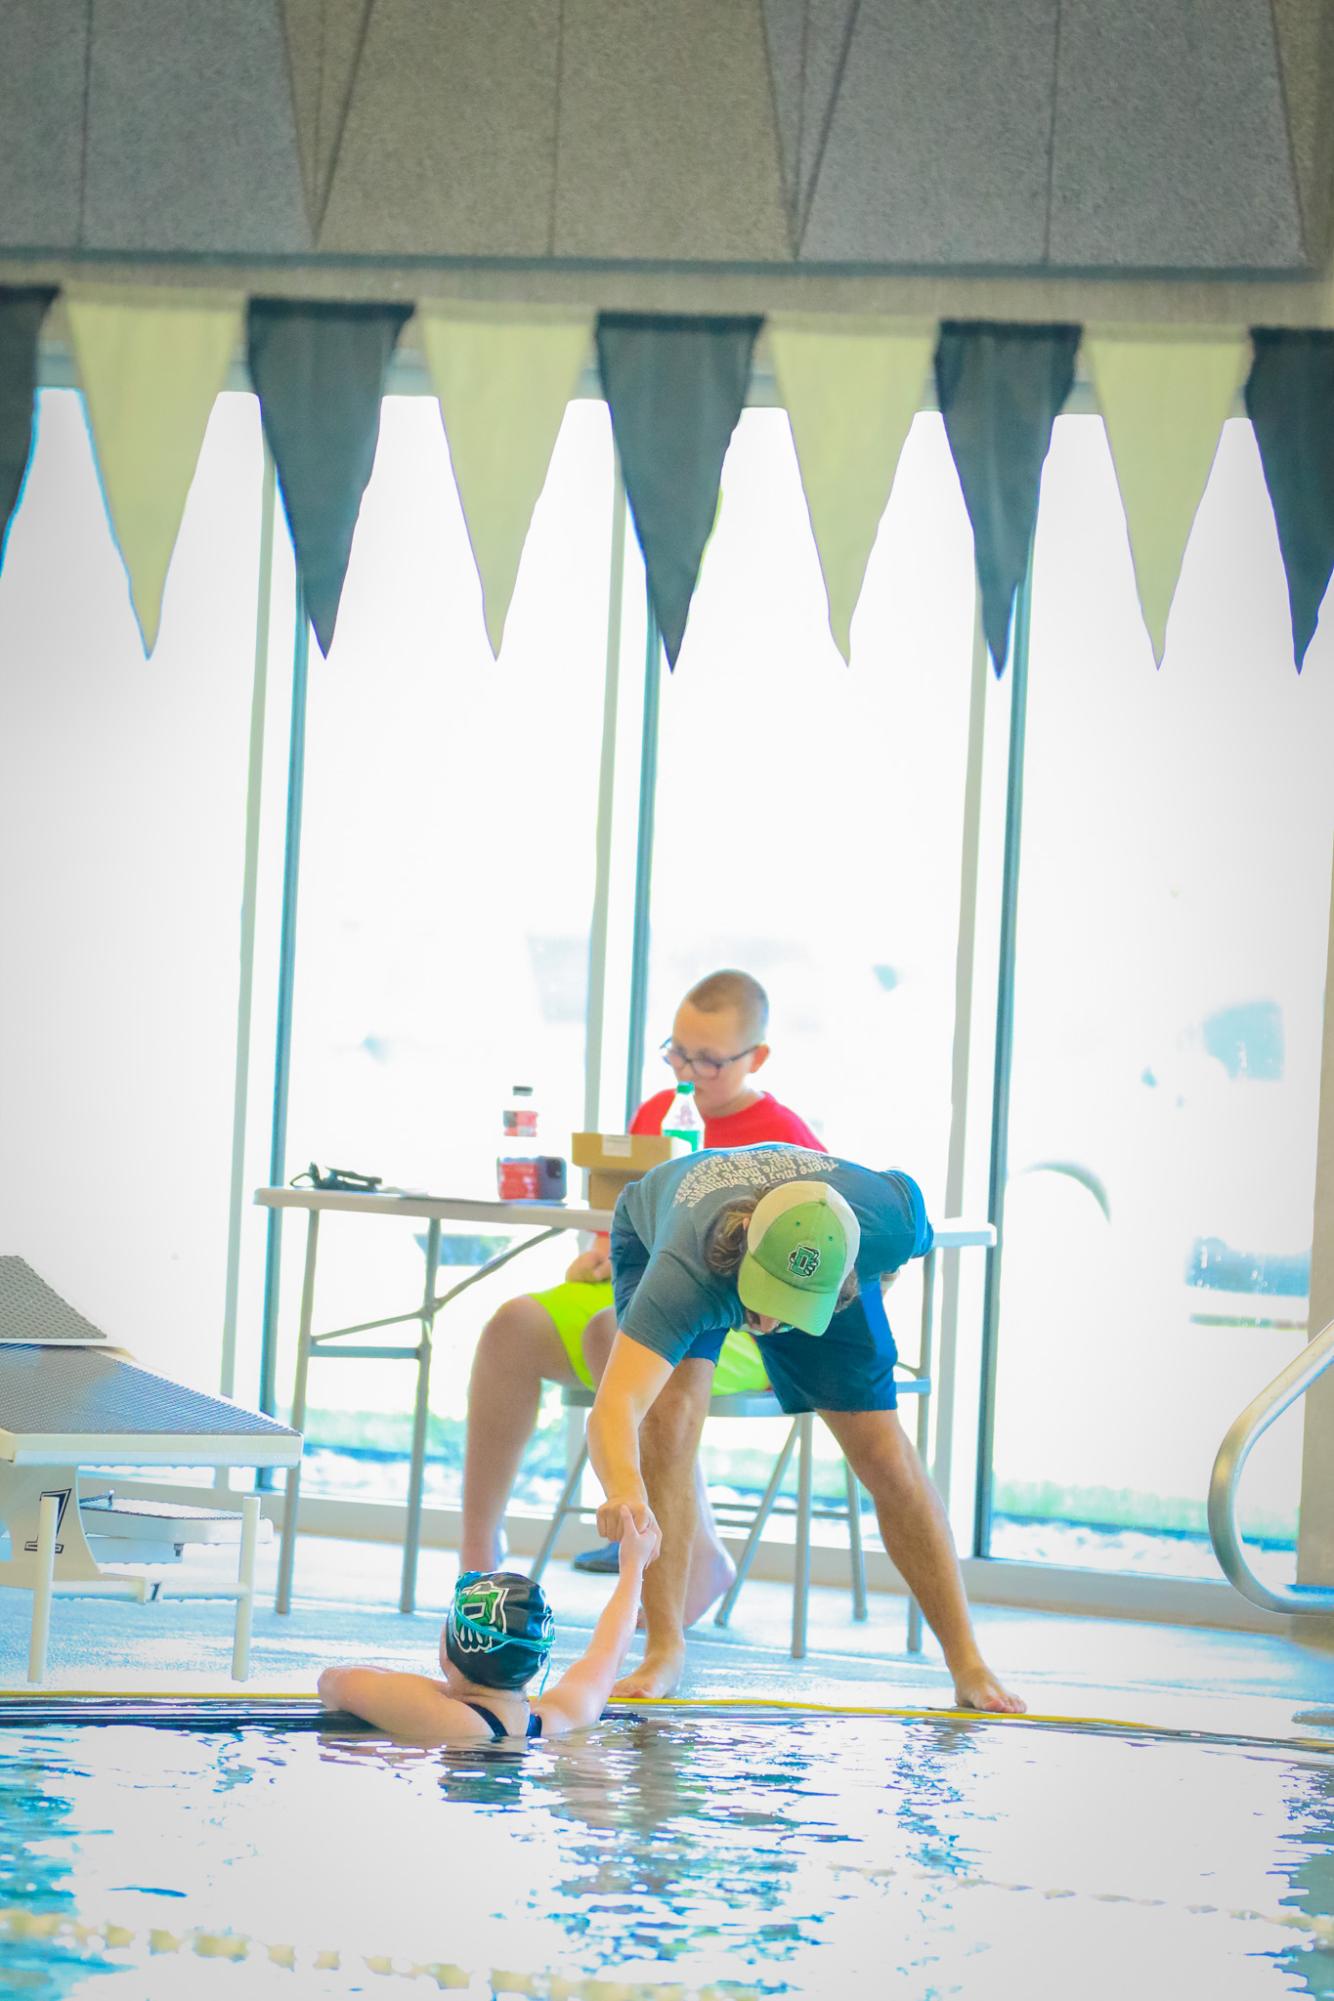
(703, 1066)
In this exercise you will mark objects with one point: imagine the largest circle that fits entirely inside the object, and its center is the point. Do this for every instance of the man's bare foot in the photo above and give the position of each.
(656, 1675)
(711, 1571)
(978, 1688)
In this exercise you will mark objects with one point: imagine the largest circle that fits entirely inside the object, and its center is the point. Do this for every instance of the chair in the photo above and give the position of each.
(800, 1435)
(69, 1401)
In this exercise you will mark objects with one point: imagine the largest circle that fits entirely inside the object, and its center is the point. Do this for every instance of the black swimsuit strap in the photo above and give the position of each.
(497, 1728)
(490, 1718)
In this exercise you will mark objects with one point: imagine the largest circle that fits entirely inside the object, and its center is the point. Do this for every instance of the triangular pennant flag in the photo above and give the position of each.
(319, 370)
(1164, 399)
(1290, 401)
(1000, 390)
(675, 386)
(22, 310)
(503, 386)
(851, 396)
(151, 369)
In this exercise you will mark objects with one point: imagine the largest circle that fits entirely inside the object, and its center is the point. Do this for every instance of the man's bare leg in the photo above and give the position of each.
(917, 1535)
(711, 1568)
(518, 1350)
(668, 1445)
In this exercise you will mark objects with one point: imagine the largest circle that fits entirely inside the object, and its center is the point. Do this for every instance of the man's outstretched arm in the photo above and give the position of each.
(630, 1384)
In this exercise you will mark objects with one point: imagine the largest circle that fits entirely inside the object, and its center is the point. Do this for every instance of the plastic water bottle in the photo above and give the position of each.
(523, 1172)
(521, 1122)
(517, 1172)
(682, 1120)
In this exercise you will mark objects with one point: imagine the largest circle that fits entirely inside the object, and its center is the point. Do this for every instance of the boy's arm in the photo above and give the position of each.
(410, 1706)
(630, 1384)
(580, 1695)
(593, 1266)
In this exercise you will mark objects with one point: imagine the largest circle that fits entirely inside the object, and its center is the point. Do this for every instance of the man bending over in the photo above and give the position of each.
(792, 1244)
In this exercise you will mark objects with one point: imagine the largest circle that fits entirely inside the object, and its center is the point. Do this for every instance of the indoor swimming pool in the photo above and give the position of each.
(680, 1852)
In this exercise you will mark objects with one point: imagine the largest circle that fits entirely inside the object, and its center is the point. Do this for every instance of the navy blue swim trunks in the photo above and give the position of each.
(849, 1367)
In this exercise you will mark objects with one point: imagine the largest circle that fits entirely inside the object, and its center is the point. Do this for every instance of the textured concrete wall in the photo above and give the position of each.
(1020, 136)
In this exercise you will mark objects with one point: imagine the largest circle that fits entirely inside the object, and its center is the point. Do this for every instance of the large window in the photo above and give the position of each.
(1174, 898)
(122, 825)
(809, 814)
(446, 883)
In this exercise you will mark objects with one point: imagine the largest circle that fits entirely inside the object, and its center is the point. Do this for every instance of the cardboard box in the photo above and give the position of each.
(615, 1159)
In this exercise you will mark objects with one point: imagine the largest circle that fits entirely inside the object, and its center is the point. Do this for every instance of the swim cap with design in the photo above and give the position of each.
(499, 1629)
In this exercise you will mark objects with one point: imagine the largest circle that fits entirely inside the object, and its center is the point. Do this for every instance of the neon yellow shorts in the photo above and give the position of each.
(571, 1306)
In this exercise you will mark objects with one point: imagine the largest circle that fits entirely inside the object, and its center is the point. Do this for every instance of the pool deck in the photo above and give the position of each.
(1157, 1676)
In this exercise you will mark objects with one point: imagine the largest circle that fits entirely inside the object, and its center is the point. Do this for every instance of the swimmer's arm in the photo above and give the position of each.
(580, 1696)
(411, 1706)
(630, 1384)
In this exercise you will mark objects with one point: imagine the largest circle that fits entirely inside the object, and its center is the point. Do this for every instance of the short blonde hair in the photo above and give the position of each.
(730, 988)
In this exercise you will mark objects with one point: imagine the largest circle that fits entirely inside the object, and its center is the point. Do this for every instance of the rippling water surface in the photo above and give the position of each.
(792, 1856)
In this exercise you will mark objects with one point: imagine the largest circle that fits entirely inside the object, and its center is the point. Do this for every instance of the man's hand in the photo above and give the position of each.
(617, 1507)
(638, 1546)
(590, 1268)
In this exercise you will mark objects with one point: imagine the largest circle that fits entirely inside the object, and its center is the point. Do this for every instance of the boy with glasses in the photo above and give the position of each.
(563, 1335)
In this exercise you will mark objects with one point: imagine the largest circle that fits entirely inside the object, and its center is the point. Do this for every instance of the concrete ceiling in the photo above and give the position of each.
(1185, 136)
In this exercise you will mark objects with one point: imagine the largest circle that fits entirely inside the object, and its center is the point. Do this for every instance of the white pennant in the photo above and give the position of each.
(151, 367)
(503, 384)
(1164, 398)
(851, 396)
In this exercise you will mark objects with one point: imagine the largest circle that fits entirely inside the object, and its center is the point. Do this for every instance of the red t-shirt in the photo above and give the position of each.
(766, 1119)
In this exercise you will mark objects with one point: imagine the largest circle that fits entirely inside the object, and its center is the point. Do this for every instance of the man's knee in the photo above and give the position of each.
(882, 1456)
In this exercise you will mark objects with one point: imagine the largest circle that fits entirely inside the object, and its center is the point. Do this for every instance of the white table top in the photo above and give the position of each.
(951, 1235)
(439, 1208)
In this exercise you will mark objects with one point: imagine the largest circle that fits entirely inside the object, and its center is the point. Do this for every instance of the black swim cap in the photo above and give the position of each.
(499, 1629)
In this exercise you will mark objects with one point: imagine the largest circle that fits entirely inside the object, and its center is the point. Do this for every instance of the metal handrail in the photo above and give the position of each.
(1255, 1420)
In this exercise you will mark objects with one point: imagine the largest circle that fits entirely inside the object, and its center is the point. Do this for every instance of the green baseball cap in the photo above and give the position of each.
(802, 1242)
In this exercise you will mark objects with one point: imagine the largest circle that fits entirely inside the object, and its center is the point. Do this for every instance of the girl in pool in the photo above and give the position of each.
(498, 1633)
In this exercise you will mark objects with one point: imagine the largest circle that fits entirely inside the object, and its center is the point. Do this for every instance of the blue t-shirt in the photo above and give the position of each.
(673, 1208)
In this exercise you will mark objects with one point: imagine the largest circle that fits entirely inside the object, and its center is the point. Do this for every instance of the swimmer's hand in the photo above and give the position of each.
(590, 1268)
(638, 1546)
(617, 1507)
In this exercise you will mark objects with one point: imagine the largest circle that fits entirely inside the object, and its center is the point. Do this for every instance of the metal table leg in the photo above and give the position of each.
(407, 1597)
(292, 1492)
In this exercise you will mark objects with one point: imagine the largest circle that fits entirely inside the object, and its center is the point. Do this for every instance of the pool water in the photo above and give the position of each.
(811, 1855)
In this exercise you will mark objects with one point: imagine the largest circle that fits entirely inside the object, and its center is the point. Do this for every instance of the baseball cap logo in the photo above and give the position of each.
(804, 1261)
